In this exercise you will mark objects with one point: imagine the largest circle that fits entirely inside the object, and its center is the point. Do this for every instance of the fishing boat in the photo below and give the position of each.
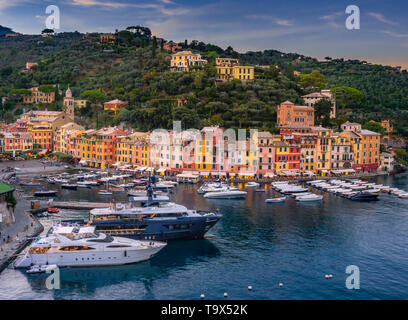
(72, 246)
(276, 200)
(45, 193)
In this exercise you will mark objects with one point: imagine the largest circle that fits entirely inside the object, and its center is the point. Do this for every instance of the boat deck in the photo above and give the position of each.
(78, 205)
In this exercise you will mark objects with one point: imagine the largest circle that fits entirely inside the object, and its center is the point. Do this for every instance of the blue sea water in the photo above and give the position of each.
(254, 244)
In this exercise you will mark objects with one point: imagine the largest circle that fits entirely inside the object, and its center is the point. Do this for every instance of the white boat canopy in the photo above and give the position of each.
(246, 174)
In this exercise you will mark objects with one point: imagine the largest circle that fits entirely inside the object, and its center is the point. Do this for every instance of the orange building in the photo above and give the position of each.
(171, 46)
(288, 115)
(42, 137)
(96, 148)
(387, 125)
(114, 105)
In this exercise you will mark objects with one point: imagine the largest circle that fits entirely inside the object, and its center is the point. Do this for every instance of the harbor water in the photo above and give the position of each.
(254, 244)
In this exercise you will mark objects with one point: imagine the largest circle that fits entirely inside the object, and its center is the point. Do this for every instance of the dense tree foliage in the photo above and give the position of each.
(136, 69)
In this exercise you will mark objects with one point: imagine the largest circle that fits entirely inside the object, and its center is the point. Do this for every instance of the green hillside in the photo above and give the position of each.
(136, 69)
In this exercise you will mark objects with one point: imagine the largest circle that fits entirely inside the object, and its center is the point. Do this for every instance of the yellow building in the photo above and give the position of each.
(107, 38)
(133, 149)
(323, 150)
(55, 119)
(80, 103)
(387, 125)
(61, 140)
(186, 61)
(37, 96)
(366, 149)
(235, 72)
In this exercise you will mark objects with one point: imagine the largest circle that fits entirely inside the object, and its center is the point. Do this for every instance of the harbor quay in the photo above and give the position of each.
(16, 235)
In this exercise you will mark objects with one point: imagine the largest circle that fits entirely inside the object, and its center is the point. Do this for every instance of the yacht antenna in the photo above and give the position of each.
(149, 189)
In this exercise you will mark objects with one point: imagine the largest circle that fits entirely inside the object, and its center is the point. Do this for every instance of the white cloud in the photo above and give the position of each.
(332, 19)
(395, 34)
(4, 4)
(278, 21)
(380, 17)
(109, 4)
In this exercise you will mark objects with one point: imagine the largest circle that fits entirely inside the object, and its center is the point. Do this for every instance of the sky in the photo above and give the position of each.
(311, 27)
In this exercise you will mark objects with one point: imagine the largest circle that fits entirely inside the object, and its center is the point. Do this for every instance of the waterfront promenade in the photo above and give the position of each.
(15, 236)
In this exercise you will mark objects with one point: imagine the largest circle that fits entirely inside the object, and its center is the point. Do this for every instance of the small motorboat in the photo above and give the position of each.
(309, 198)
(252, 184)
(40, 269)
(45, 193)
(37, 269)
(83, 184)
(42, 214)
(364, 196)
(403, 195)
(69, 186)
(29, 184)
(276, 200)
(105, 193)
(227, 194)
(52, 210)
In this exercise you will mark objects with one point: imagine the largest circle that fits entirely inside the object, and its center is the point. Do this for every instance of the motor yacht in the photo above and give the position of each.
(45, 193)
(153, 218)
(215, 187)
(72, 246)
(226, 194)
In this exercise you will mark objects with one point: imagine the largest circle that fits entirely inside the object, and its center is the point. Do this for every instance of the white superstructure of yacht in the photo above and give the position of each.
(73, 246)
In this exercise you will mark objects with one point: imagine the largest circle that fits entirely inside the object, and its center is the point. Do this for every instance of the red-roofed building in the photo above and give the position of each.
(114, 105)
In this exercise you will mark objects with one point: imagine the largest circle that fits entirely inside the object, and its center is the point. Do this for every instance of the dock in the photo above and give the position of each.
(75, 205)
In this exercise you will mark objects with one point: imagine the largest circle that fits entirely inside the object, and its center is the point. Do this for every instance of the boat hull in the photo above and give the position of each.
(182, 228)
(86, 259)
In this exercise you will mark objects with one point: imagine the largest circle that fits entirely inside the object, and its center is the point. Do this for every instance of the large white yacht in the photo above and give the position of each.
(73, 246)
